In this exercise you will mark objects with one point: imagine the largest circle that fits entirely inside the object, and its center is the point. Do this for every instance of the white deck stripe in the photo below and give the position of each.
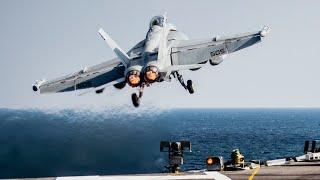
(207, 175)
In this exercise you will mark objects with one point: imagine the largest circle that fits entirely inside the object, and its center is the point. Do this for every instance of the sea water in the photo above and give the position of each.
(42, 143)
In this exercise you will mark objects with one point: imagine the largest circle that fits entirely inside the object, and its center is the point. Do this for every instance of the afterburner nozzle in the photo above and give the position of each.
(151, 74)
(133, 78)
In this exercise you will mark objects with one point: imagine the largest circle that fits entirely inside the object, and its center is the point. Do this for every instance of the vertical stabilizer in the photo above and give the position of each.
(124, 58)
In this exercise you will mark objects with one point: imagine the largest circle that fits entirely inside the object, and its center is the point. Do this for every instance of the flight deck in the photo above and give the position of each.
(306, 166)
(294, 170)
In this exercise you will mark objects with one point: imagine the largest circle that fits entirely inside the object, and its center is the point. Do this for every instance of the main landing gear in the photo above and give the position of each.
(136, 97)
(189, 87)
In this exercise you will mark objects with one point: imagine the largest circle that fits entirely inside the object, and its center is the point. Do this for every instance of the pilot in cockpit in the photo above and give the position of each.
(157, 21)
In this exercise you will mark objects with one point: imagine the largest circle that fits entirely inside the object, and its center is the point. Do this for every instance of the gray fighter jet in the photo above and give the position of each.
(159, 57)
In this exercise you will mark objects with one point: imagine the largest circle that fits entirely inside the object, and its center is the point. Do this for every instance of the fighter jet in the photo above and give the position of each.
(158, 58)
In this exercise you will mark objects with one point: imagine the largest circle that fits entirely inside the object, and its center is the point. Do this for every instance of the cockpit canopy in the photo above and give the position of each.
(157, 21)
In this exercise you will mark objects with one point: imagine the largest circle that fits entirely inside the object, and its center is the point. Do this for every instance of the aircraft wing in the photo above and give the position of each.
(109, 72)
(191, 54)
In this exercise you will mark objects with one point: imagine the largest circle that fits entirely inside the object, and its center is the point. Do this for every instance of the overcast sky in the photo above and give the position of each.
(47, 39)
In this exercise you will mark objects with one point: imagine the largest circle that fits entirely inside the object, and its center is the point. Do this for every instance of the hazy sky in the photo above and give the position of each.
(47, 39)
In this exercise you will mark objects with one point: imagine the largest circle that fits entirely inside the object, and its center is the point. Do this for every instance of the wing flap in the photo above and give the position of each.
(196, 54)
(187, 52)
(92, 77)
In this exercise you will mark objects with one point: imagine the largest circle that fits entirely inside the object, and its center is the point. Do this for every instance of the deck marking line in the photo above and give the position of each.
(254, 173)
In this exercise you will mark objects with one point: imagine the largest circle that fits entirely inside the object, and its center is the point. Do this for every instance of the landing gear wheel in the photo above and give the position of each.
(190, 87)
(135, 100)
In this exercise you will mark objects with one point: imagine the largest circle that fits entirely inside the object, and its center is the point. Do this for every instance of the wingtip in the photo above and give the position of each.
(37, 84)
(102, 33)
(101, 30)
(265, 31)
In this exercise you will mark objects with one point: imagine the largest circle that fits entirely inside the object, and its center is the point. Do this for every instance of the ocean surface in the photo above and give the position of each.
(41, 143)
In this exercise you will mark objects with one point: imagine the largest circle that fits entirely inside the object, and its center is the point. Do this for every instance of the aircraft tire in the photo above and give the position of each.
(120, 85)
(190, 87)
(135, 100)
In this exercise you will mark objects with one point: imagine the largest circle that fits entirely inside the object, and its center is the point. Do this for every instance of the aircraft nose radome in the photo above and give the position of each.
(265, 31)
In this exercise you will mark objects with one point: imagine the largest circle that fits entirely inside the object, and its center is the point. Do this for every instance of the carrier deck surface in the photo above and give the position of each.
(294, 170)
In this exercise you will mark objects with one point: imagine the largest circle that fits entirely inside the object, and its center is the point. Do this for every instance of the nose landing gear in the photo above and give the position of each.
(189, 87)
(136, 97)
